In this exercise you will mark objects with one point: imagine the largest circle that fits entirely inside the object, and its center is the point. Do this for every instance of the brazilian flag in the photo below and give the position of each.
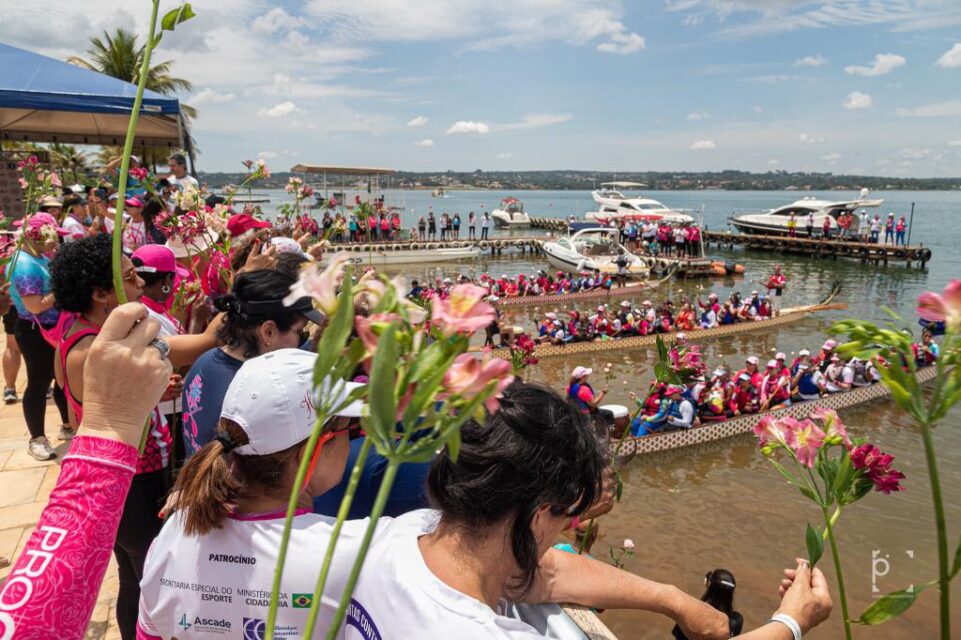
(302, 600)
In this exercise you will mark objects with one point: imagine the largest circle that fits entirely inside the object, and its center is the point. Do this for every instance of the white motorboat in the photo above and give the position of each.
(439, 193)
(510, 214)
(591, 249)
(388, 254)
(613, 205)
(775, 221)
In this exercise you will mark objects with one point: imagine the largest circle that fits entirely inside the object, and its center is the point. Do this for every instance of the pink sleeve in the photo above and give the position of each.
(584, 394)
(52, 588)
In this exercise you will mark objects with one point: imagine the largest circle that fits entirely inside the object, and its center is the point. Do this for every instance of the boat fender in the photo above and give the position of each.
(865, 251)
(899, 253)
(719, 269)
(925, 255)
(663, 264)
(882, 253)
(414, 246)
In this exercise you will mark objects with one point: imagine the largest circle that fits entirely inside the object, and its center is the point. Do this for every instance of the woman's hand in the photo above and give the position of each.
(124, 376)
(605, 501)
(805, 596)
(259, 259)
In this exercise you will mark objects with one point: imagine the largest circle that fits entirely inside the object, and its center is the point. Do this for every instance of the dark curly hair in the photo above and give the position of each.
(239, 327)
(80, 268)
(536, 450)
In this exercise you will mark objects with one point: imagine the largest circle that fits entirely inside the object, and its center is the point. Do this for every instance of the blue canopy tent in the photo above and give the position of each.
(47, 100)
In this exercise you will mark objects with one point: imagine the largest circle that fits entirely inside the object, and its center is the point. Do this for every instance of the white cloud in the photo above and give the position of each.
(267, 155)
(518, 23)
(279, 110)
(209, 95)
(419, 121)
(857, 100)
(809, 139)
(883, 63)
(696, 115)
(757, 108)
(811, 61)
(426, 142)
(773, 162)
(701, 145)
(534, 121)
(831, 158)
(469, 126)
(623, 43)
(507, 155)
(949, 109)
(955, 143)
(275, 20)
(951, 58)
(915, 153)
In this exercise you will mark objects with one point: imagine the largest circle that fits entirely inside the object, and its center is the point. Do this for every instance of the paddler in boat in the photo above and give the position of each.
(580, 391)
(823, 359)
(775, 388)
(776, 281)
(807, 382)
(764, 309)
(675, 412)
(745, 399)
(751, 369)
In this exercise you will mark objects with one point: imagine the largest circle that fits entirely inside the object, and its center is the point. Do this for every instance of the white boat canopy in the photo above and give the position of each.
(624, 185)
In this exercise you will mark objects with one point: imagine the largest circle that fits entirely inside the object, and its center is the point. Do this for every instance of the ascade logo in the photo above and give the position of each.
(204, 625)
(254, 629)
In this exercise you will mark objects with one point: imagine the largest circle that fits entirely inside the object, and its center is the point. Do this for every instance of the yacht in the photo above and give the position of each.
(591, 249)
(510, 214)
(774, 221)
(613, 205)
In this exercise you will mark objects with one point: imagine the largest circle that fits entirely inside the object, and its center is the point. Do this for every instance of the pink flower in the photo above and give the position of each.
(23, 183)
(55, 179)
(628, 544)
(463, 311)
(834, 429)
(468, 376)
(320, 285)
(769, 430)
(944, 307)
(877, 468)
(370, 328)
(805, 438)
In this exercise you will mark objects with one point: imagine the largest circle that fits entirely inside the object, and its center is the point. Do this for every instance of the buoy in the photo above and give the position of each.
(414, 246)
(899, 253)
(663, 264)
(882, 253)
(925, 255)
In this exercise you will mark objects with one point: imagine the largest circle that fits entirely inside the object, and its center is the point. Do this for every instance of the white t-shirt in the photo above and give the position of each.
(181, 182)
(134, 233)
(398, 597)
(74, 227)
(219, 585)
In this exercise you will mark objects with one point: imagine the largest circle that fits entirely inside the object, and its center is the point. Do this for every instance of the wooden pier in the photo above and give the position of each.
(866, 252)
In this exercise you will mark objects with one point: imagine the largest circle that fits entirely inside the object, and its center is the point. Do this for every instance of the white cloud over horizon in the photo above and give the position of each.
(951, 59)
(703, 145)
(884, 63)
(857, 100)
(947, 109)
(279, 110)
(426, 142)
(811, 61)
(418, 121)
(469, 127)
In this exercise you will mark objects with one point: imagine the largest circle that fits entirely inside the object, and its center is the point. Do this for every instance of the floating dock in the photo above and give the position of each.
(822, 248)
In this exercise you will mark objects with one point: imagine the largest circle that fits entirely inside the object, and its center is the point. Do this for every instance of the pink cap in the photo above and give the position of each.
(780, 356)
(133, 201)
(752, 360)
(42, 219)
(830, 344)
(157, 258)
(580, 372)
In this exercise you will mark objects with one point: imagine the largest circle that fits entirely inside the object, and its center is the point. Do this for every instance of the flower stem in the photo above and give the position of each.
(829, 523)
(125, 157)
(342, 513)
(389, 474)
(944, 578)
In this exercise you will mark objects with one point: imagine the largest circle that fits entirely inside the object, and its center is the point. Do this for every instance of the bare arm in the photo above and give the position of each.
(567, 577)
(37, 304)
(185, 349)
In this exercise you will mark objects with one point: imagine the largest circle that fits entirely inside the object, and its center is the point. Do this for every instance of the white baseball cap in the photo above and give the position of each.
(625, 303)
(550, 315)
(720, 371)
(780, 356)
(580, 372)
(272, 399)
(772, 364)
(681, 336)
(804, 352)
(752, 360)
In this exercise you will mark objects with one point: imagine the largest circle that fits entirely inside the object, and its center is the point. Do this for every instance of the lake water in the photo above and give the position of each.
(722, 505)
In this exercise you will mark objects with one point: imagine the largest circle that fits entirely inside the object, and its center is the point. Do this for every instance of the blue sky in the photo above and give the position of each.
(855, 86)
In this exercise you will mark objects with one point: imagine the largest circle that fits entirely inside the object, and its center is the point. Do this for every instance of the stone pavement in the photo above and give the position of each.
(25, 486)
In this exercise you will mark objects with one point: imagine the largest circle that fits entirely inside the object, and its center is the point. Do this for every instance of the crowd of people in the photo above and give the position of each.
(854, 226)
(660, 238)
(220, 367)
(627, 319)
(728, 392)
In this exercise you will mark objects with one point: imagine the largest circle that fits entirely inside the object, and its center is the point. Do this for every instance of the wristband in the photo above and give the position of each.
(788, 622)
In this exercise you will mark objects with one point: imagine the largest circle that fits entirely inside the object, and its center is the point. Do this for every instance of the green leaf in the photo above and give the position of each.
(331, 345)
(891, 605)
(156, 40)
(382, 390)
(176, 16)
(810, 495)
(784, 472)
(845, 473)
(661, 349)
(815, 544)
(664, 373)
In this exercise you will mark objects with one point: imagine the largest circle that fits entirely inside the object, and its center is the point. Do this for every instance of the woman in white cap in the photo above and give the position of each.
(211, 567)
(580, 392)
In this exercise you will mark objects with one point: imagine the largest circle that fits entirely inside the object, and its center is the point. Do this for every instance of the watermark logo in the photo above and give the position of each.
(881, 566)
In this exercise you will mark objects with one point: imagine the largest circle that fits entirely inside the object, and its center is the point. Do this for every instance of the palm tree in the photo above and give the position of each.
(120, 56)
(66, 157)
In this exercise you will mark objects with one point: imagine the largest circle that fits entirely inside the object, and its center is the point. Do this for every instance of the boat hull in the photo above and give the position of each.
(573, 265)
(759, 228)
(503, 220)
(711, 432)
